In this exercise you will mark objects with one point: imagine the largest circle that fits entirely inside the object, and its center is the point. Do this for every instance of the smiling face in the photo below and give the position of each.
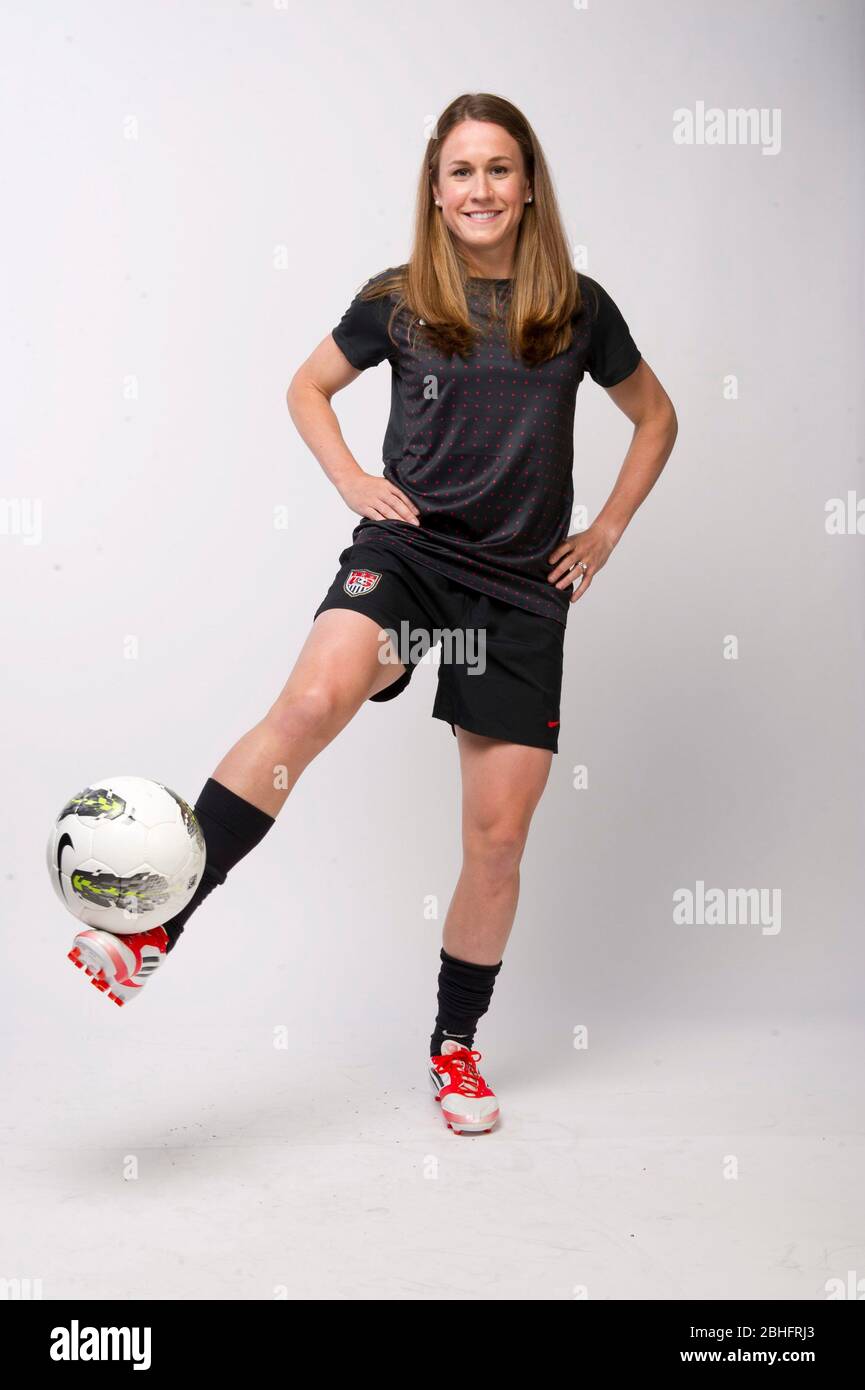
(482, 189)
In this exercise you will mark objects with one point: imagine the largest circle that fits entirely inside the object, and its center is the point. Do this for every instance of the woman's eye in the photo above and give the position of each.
(500, 168)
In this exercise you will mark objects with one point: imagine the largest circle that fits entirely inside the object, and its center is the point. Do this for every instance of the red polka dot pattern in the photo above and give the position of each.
(484, 446)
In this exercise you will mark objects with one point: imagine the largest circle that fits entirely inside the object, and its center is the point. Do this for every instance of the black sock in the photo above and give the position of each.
(231, 828)
(464, 993)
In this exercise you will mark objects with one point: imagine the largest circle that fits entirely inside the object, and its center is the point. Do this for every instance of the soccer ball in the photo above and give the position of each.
(125, 854)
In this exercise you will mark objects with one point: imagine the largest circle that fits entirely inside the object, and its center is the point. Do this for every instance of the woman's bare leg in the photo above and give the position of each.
(336, 671)
(502, 784)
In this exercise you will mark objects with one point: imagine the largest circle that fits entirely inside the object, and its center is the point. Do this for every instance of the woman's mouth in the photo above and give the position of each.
(483, 216)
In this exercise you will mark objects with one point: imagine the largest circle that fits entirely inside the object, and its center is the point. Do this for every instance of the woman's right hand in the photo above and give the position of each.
(376, 498)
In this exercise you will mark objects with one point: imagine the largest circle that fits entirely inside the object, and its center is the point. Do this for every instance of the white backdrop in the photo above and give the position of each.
(194, 192)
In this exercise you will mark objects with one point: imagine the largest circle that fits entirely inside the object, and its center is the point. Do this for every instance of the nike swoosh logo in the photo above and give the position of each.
(63, 843)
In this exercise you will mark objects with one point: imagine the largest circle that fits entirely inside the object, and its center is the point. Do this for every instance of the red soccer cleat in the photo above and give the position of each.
(468, 1104)
(119, 966)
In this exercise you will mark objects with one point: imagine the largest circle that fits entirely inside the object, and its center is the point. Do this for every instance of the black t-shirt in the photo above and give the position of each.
(484, 445)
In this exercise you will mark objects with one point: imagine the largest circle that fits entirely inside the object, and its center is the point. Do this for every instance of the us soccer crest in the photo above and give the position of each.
(361, 582)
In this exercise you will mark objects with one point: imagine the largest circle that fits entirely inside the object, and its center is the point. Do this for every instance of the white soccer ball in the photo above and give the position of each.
(125, 854)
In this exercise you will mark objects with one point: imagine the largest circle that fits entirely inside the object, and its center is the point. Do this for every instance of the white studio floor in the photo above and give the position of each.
(215, 1168)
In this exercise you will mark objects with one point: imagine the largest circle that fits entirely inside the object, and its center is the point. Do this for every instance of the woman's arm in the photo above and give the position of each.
(326, 371)
(645, 402)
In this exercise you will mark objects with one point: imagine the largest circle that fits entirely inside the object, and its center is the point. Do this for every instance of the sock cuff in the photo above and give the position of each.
(469, 964)
(231, 810)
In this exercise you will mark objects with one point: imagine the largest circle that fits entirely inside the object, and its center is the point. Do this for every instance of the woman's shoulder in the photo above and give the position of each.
(389, 281)
(591, 294)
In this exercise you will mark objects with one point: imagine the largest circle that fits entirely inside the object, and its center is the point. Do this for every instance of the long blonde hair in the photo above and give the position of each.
(431, 285)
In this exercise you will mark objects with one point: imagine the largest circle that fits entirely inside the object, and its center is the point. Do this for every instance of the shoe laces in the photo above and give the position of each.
(469, 1079)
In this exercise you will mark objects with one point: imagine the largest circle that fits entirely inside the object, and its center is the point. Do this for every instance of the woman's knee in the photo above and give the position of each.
(496, 846)
(314, 711)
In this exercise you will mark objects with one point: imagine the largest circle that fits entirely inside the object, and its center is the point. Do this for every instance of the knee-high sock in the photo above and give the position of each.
(464, 993)
(231, 827)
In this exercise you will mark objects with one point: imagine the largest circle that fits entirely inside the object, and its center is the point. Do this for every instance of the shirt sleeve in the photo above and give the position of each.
(362, 331)
(612, 353)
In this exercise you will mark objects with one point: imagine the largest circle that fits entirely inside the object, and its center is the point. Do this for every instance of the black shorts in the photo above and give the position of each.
(500, 667)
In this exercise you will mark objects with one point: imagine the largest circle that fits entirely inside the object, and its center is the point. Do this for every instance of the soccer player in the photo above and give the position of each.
(488, 330)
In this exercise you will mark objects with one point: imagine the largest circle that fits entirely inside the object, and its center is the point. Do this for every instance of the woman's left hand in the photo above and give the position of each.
(592, 546)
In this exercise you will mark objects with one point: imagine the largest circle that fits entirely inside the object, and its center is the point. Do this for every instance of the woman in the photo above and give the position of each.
(489, 331)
